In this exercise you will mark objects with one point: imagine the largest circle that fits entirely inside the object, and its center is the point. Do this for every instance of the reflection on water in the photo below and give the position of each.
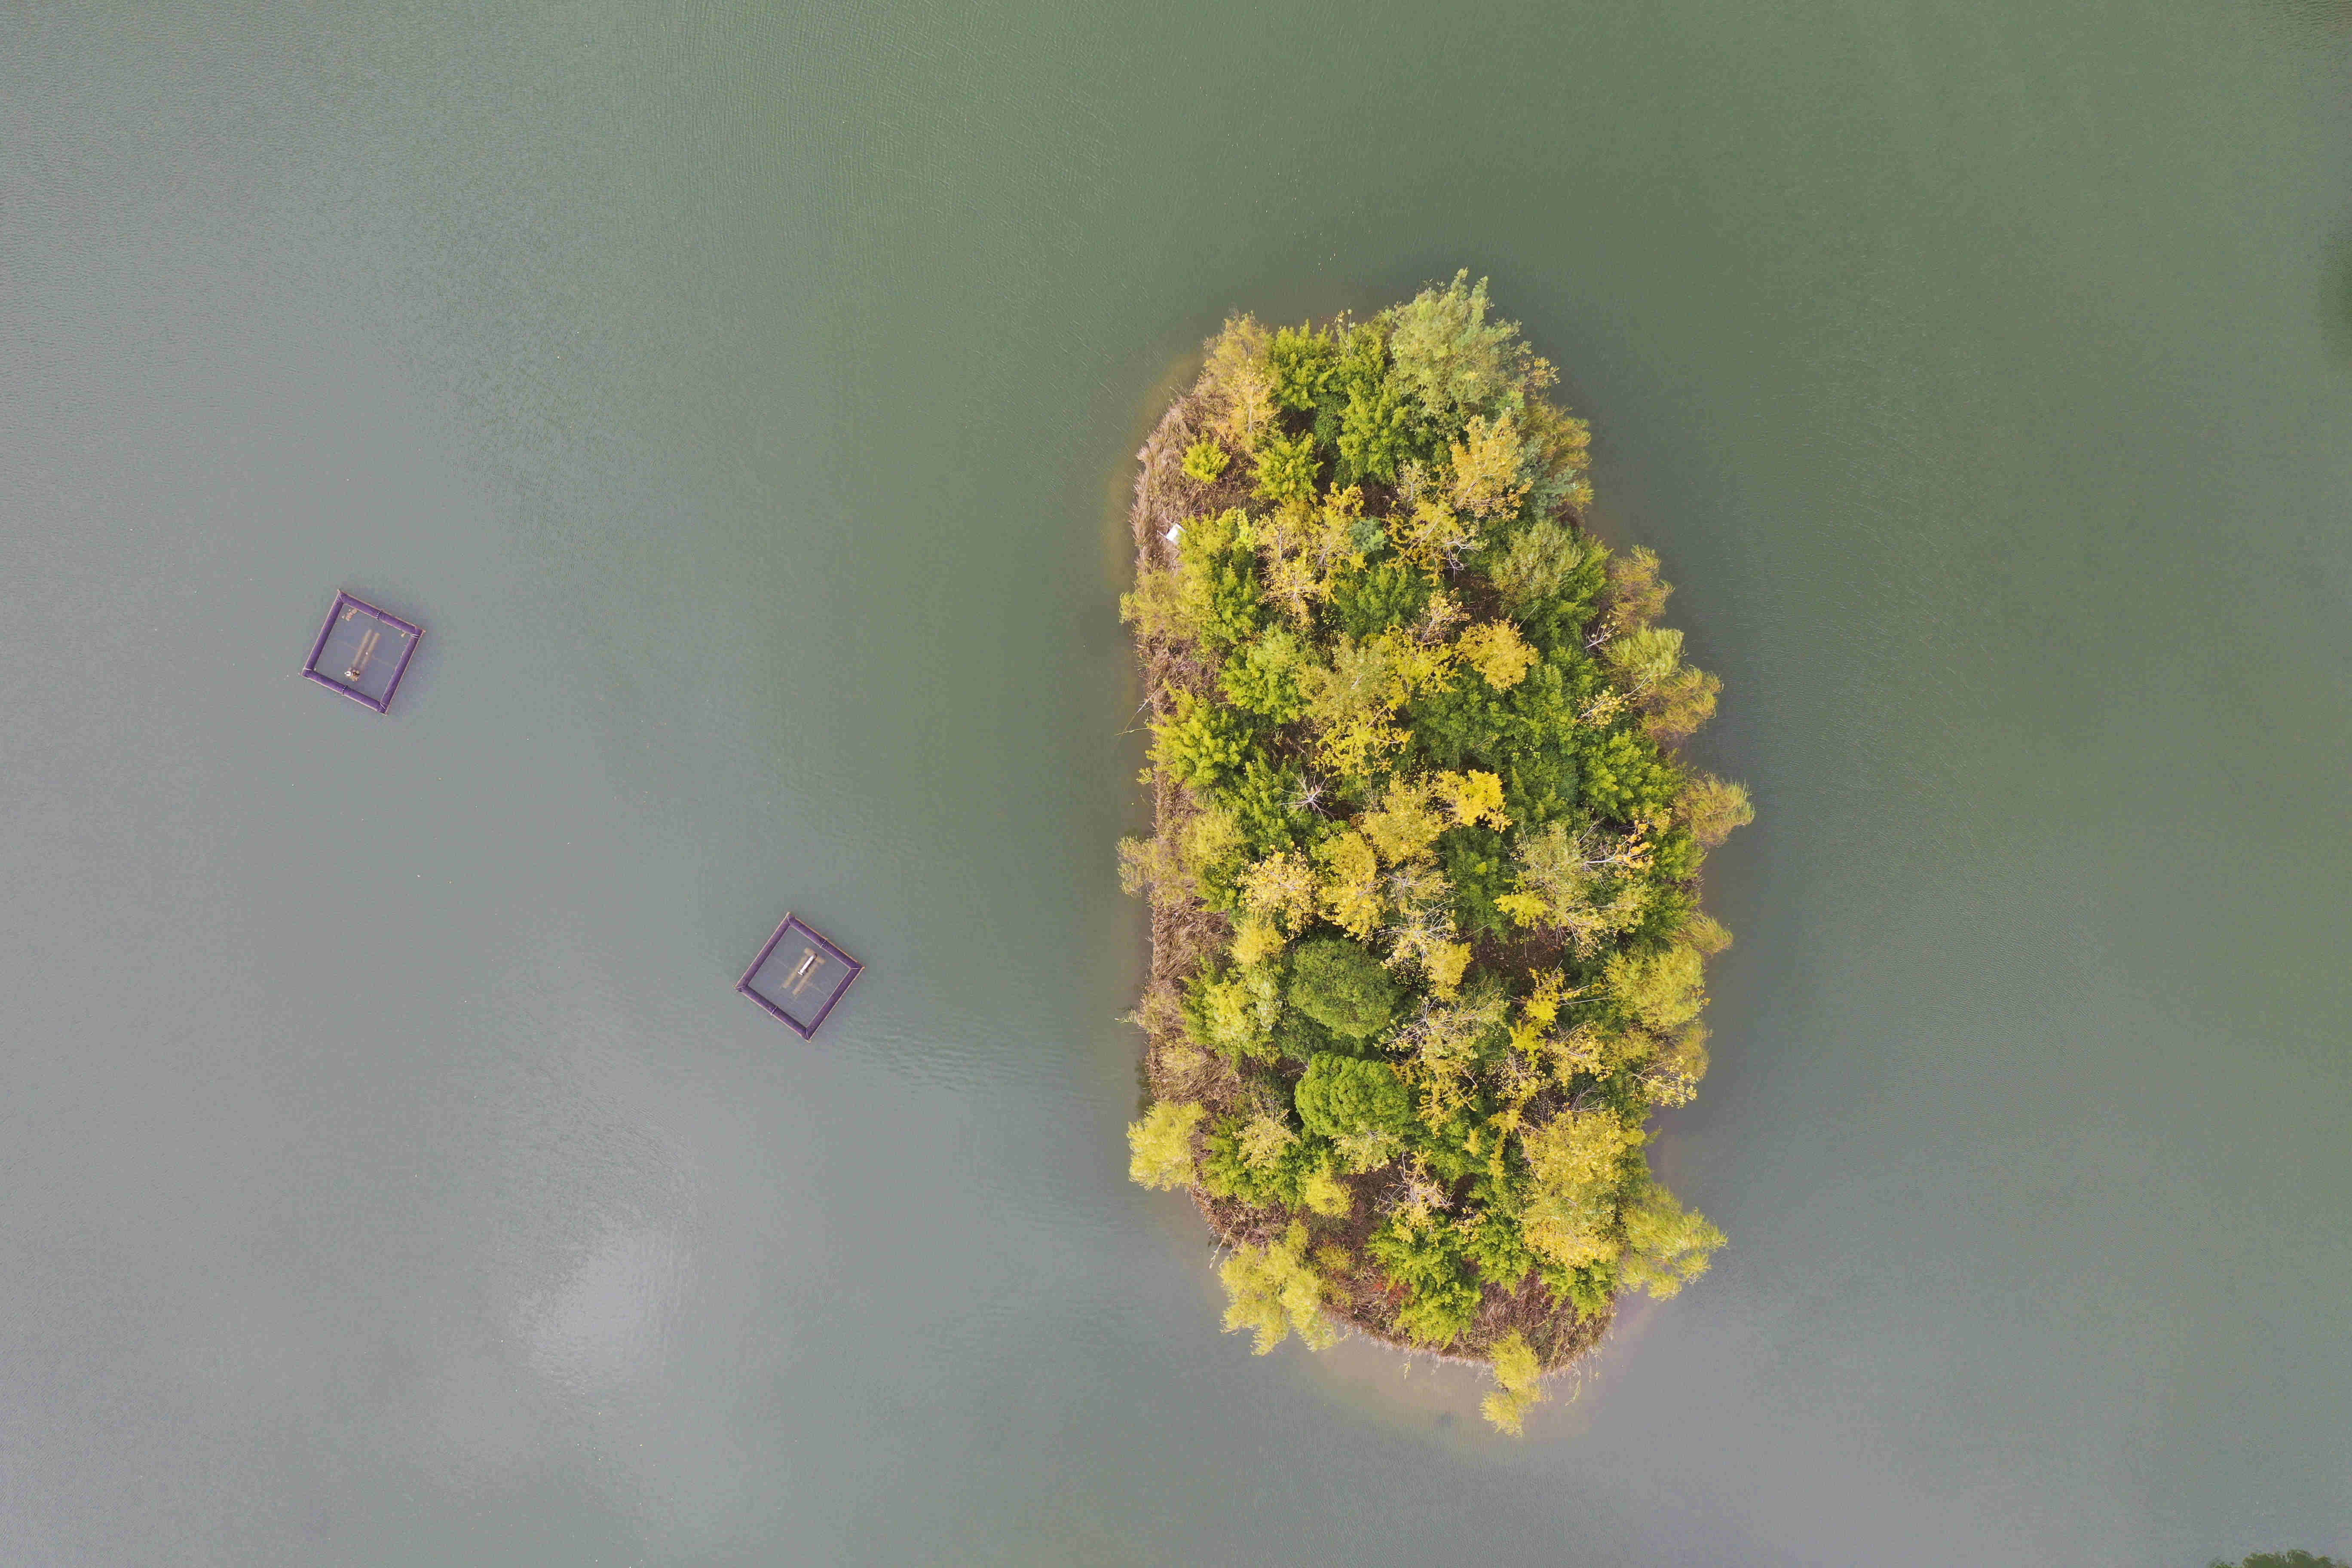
(608, 1322)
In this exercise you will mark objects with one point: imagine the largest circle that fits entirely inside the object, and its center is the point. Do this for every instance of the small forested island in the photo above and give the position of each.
(1426, 942)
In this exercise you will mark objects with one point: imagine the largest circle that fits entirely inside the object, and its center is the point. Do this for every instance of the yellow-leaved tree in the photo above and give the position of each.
(1713, 807)
(1486, 482)
(1283, 886)
(1472, 796)
(1274, 1289)
(1519, 1383)
(1576, 1162)
(1666, 1246)
(1404, 827)
(1237, 371)
(1159, 1145)
(1496, 651)
(1351, 883)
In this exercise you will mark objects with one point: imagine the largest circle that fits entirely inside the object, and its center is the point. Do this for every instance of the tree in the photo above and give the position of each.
(1233, 1010)
(1671, 1076)
(1351, 701)
(1341, 986)
(1676, 699)
(1424, 1259)
(1637, 594)
(1556, 451)
(1210, 855)
(1575, 1163)
(1235, 377)
(1384, 595)
(1703, 932)
(1376, 417)
(1265, 1138)
(1712, 807)
(1264, 676)
(1351, 883)
(1265, 798)
(1644, 657)
(1206, 461)
(1161, 1145)
(1323, 1192)
(1308, 550)
(1496, 651)
(1585, 881)
(1212, 593)
(1621, 776)
(1199, 742)
(1154, 867)
(1218, 581)
(1302, 360)
(1375, 429)
(1486, 482)
(1538, 562)
(1519, 1385)
(1360, 680)
(1453, 361)
(1367, 1149)
(1660, 991)
(1273, 1289)
(1403, 828)
(1479, 866)
(1287, 467)
(1445, 963)
(1283, 888)
(1433, 535)
(1474, 796)
(1448, 1042)
(1666, 1246)
(1420, 933)
(1680, 705)
(1339, 1096)
(1157, 607)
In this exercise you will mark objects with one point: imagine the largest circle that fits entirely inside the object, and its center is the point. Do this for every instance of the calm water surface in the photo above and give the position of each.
(743, 399)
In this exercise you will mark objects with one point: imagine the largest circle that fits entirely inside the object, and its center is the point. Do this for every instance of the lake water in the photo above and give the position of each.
(743, 399)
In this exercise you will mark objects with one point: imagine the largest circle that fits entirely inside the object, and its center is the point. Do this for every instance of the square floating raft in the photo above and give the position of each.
(799, 976)
(363, 652)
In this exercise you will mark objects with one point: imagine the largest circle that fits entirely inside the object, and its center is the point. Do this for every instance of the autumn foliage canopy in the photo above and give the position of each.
(1428, 944)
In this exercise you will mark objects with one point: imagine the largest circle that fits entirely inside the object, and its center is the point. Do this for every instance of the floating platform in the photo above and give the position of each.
(363, 652)
(799, 976)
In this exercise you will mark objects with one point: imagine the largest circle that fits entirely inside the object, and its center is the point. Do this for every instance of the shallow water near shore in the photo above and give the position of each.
(744, 401)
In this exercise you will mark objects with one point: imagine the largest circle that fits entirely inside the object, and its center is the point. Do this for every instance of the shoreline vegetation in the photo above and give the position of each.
(1426, 942)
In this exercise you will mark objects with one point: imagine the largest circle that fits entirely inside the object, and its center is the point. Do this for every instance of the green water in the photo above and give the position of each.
(743, 399)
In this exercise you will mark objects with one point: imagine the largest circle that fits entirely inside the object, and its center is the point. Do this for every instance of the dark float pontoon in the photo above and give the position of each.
(363, 652)
(799, 976)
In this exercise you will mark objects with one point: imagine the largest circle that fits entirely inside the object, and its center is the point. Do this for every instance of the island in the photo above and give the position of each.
(1426, 937)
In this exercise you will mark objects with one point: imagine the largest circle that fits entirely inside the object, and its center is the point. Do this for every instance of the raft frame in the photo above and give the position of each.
(818, 943)
(345, 603)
